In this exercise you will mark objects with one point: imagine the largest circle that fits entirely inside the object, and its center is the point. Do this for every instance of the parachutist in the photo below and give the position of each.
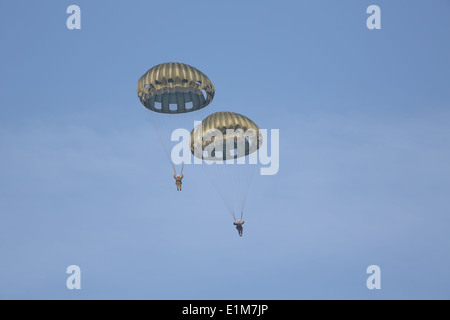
(178, 178)
(169, 91)
(236, 137)
(239, 227)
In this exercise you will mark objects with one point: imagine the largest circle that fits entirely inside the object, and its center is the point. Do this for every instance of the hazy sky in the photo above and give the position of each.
(364, 173)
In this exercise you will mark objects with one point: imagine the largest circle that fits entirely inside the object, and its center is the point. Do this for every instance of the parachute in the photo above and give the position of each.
(228, 143)
(239, 135)
(172, 91)
(175, 88)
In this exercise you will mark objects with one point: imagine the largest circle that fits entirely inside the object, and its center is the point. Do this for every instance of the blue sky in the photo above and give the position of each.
(364, 151)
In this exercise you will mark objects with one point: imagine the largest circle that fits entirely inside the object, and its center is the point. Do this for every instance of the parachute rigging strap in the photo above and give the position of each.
(161, 141)
(217, 187)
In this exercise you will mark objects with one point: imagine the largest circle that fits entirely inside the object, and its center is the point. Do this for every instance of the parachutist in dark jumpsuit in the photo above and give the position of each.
(178, 179)
(239, 227)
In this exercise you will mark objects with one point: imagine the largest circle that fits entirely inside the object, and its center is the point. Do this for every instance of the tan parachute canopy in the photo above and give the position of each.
(175, 88)
(240, 137)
